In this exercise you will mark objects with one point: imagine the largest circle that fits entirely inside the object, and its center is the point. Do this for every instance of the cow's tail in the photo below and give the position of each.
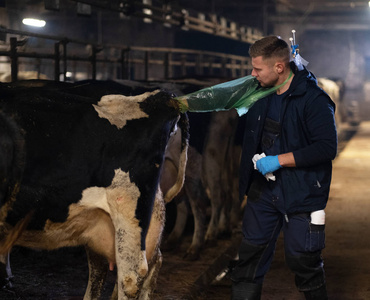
(12, 145)
(183, 124)
(13, 234)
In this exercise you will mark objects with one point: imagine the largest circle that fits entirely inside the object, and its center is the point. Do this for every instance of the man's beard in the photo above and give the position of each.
(269, 84)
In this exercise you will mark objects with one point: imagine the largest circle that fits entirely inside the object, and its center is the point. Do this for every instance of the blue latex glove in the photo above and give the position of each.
(268, 164)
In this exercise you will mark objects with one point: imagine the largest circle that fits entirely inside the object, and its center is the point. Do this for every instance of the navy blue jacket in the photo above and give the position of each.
(308, 130)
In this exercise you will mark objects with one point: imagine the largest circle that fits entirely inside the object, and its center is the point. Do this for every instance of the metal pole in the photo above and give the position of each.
(64, 43)
(93, 62)
(56, 61)
(233, 70)
(166, 65)
(14, 59)
(125, 63)
(183, 65)
(242, 70)
(146, 65)
(210, 66)
(223, 67)
(199, 62)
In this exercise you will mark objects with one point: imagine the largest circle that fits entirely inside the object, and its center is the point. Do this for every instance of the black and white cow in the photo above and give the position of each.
(80, 169)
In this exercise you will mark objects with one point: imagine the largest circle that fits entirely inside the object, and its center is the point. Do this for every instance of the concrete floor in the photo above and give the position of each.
(347, 252)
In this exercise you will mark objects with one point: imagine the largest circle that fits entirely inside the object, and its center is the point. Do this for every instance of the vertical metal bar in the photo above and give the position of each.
(64, 43)
(242, 72)
(223, 66)
(93, 63)
(233, 69)
(199, 65)
(146, 62)
(183, 65)
(125, 63)
(210, 66)
(128, 65)
(74, 70)
(170, 69)
(14, 59)
(166, 65)
(56, 61)
(38, 67)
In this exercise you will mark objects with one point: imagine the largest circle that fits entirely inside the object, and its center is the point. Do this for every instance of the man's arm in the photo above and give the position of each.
(269, 164)
(320, 125)
(286, 160)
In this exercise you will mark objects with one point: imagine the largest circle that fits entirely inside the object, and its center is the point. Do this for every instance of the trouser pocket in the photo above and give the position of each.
(315, 238)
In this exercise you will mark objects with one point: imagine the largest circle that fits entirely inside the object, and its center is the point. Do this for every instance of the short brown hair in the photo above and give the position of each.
(270, 47)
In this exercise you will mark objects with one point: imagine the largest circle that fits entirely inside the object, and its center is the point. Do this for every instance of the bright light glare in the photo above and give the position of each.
(369, 3)
(34, 22)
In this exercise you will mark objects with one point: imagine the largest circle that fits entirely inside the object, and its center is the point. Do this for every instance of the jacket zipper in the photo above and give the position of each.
(284, 105)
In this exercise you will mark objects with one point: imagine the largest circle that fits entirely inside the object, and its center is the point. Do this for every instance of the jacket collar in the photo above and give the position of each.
(300, 81)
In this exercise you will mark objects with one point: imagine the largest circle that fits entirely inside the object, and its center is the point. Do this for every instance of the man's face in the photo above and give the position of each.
(264, 71)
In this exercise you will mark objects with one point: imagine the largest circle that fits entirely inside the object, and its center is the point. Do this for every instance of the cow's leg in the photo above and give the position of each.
(151, 280)
(153, 240)
(197, 198)
(98, 269)
(114, 295)
(224, 221)
(182, 213)
(85, 226)
(131, 259)
(214, 160)
(235, 215)
(223, 228)
(212, 173)
(230, 194)
(5, 272)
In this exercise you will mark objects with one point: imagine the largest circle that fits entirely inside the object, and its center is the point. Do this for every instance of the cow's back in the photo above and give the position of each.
(69, 147)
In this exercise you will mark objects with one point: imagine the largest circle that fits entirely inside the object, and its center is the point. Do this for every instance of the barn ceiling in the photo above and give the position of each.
(310, 14)
(323, 14)
(314, 14)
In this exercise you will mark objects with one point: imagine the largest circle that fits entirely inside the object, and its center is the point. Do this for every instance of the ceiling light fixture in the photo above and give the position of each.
(34, 22)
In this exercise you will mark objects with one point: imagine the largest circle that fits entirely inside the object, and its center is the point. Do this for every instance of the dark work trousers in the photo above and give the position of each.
(264, 219)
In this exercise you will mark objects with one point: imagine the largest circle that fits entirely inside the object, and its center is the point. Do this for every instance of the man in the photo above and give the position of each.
(295, 129)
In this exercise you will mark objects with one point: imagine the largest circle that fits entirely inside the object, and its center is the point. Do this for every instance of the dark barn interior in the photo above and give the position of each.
(183, 46)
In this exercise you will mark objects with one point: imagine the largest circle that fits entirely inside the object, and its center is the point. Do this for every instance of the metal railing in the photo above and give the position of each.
(170, 16)
(115, 61)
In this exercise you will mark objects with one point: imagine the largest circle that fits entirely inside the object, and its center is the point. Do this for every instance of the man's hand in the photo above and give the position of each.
(268, 164)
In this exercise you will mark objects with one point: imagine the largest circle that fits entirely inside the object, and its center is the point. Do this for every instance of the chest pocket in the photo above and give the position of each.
(271, 132)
